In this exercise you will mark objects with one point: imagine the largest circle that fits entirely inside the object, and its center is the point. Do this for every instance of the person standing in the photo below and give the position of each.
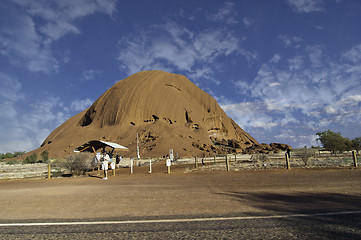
(118, 159)
(105, 159)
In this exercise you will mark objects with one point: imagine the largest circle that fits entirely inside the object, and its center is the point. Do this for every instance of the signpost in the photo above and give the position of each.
(169, 163)
(131, 165)
(138, 154)
(112, 166)
(171, 156)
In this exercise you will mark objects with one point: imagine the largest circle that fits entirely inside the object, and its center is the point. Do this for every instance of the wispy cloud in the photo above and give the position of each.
(31, 27)
(91, 74)
(172, 47)
(80, 105)
(290, 41)
(26, 123)
(26, 130)
(226, 14)
(253, 114)
(306, 6)
(248, 21)
(354, 54)
(319, 94)
(10, 89)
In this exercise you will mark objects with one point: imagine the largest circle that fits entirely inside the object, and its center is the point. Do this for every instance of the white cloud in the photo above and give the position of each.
(44, 111)
(25, 123)
(289, 41)
(275, 84)
(304, 93)
(225, 14)
(91, 74)
(297, 140)
(250, 114)
(248, 21)
(345, 109)
(306, 6)
(354, 54)
(275, 59)
(20, 42)
(17, 130)
(172, 47)
(28, 28)
(295, 63)
(315, 55)
(10, 89)
(301, 86)
(59, 16)
(80, 105)
(26, 130)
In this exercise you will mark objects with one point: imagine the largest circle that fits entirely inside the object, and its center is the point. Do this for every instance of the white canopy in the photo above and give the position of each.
(94, 145)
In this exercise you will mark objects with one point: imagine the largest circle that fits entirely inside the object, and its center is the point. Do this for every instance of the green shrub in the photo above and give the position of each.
(305, 154)
(44, 157)
(13, 162)
(33, 158)
(10, 155)
(78, 163)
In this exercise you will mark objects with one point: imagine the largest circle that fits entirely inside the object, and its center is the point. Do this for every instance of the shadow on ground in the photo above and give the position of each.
(323, 226)
(298, 202)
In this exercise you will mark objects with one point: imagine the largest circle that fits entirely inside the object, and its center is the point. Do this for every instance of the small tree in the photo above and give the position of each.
(356, 143)
(305, 154)
(78, 163)
(31, 159)
(44, 156)
(333, 141)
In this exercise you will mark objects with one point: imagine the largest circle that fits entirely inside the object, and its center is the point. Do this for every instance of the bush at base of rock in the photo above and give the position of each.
(78, 163)
(31, 159)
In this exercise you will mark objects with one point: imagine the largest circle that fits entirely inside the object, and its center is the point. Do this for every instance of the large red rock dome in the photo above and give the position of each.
(167, 110)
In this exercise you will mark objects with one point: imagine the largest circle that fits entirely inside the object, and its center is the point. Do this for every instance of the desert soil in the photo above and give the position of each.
(160, 194)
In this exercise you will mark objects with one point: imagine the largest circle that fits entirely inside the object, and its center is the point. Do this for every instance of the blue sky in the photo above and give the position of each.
(282, 69)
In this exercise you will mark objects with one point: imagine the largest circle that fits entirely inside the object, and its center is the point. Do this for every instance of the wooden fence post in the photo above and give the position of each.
(354, 158)
(287, 161)
(196, 162)
(150, 166)
(49, 169)
(227, 163)
(131, 165)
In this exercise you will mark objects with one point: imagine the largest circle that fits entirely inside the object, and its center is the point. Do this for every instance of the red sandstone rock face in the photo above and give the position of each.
(167, 110)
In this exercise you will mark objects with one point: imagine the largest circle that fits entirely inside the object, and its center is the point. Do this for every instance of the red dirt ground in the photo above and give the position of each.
(196, 193)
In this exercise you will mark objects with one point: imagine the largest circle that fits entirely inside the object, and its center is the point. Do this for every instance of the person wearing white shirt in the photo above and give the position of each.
(104, 160)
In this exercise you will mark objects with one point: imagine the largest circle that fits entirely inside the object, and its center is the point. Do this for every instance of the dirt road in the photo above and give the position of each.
(159, 194)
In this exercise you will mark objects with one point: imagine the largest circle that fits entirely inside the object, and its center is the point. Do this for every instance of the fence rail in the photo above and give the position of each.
(229, 162)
